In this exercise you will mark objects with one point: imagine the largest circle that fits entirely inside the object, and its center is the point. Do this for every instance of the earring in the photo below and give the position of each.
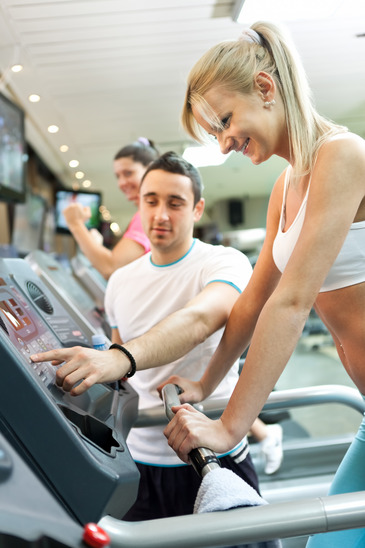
(269, 104)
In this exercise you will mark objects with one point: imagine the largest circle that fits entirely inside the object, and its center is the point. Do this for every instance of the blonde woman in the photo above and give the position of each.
(253, 97)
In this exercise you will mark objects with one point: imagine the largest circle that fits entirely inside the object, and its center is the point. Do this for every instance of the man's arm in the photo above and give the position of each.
(183, 330)
(164, 343)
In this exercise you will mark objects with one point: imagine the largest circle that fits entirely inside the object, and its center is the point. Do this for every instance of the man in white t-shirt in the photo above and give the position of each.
(167, 310)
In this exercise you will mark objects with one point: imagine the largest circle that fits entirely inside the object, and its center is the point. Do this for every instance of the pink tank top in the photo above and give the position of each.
(135, 232)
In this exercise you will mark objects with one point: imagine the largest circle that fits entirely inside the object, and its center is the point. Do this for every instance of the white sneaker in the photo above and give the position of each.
(272, 449)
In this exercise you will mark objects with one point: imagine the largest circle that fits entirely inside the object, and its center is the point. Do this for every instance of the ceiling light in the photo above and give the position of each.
(63, 148)
(79, 174)
(53, 129)
(17, 68)
(106, 215)
(73, 163)
(34, 98)
(209, 155)
(115, 228)
(86, 183)
(249, 11)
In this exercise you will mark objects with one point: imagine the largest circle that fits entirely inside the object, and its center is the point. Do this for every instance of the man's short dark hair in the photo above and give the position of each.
(173, 163)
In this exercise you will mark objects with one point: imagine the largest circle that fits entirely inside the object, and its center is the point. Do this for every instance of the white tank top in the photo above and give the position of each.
(349, 266)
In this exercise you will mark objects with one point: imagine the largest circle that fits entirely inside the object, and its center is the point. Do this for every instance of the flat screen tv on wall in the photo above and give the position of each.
(12, 152)
(88, 199)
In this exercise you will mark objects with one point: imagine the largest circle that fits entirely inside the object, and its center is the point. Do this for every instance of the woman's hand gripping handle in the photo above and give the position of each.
(202, 459)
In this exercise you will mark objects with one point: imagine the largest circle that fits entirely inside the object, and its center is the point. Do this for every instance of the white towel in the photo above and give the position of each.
(222, 489)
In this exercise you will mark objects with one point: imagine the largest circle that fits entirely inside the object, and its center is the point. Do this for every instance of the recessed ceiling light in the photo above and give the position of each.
(53, 129)
(34, 98)
(86, 183)
(106, 215)
(114, 227)
(63, 148)
(79, 174)
(73, 163)
(17, 68)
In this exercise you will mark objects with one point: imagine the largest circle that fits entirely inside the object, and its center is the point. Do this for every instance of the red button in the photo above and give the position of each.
(95, 536)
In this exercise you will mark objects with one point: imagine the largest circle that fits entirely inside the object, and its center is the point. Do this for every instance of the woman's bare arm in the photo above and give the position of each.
(336, 194)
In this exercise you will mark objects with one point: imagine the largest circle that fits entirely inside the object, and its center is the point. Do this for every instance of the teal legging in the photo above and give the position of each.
(349, 477)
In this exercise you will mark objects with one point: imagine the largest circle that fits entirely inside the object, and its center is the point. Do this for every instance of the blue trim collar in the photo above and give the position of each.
(174, 262)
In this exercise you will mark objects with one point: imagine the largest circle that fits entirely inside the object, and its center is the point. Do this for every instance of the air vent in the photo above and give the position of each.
(39, 298)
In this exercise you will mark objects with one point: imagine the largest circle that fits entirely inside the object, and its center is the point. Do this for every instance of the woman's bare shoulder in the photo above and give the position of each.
(347, 145)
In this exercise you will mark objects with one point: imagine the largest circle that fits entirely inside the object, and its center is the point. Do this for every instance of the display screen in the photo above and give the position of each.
(25, 329)
(87, 199)
(12, 152)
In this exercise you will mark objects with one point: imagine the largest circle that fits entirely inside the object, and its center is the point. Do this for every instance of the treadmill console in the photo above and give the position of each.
(90, 278)
(51, 309)
(76, 445)
(78, 303)
(25, 329)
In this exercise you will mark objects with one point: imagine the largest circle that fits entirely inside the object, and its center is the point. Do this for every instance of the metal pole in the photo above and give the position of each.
(241, 525)
(280, 399)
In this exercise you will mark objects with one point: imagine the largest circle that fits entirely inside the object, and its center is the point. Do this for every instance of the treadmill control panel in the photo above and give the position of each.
(68, 331)
(26, 330)
(74, 297)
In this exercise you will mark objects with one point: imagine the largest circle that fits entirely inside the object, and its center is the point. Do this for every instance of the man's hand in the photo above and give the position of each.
(86, 365)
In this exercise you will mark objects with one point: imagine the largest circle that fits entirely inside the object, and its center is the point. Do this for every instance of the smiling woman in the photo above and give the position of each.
(258, 70)
(130, 164)
(253, 97)
(245, 126)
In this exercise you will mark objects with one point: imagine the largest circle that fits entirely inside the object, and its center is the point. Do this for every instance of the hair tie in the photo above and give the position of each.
(144, 141)
(250, 35)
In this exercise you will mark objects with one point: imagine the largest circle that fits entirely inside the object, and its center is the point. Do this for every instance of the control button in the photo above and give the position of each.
(95, 536)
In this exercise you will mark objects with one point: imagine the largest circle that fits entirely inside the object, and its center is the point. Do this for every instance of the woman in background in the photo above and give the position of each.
(130, 164)
(252, 95)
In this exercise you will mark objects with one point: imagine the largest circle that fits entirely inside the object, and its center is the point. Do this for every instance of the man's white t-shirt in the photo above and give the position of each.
(141, 294)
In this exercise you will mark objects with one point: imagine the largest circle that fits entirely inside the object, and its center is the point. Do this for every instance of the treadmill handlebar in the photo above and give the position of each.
(202, 459)
(242, 525)
(280, 399)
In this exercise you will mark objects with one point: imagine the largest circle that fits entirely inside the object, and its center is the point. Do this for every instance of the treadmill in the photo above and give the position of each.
(75, 445)
(89, 278)
(78, 303)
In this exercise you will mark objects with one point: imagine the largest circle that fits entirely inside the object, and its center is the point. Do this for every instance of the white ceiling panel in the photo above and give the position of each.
(109, 71)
